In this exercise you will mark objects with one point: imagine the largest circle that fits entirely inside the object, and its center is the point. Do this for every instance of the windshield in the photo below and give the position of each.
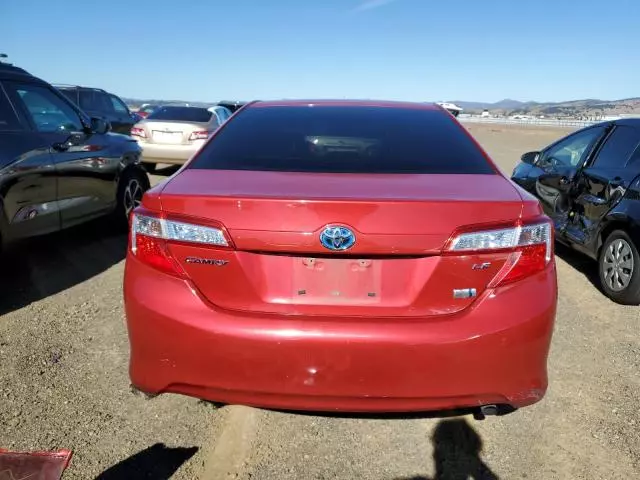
(181, 114)
(336, 139)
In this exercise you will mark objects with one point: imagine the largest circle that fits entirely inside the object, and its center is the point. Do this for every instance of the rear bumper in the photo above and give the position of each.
(175, 154)
(494, 352)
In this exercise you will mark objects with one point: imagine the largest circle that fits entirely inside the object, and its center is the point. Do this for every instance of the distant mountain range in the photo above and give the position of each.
(506, 104)
(136, 102)
(587, 107)
(573, 107)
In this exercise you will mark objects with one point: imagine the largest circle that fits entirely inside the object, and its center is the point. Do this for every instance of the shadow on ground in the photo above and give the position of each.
(583, 264)
(457, 447)
(36, 268)
(157, 462)
(431, 414)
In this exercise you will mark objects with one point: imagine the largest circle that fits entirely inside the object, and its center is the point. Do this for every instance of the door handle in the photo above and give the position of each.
(592, 199)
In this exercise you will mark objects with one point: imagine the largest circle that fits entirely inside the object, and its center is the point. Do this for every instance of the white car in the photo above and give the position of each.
(172, 134)
(454, 109)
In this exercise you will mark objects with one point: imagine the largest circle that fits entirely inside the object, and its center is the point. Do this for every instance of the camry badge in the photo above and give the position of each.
(206, 261)
(337, 238)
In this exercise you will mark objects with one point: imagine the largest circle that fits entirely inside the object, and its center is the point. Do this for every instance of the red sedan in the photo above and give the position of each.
(342, 256)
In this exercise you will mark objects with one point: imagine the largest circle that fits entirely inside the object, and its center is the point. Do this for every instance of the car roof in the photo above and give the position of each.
(629, 122)
(181, 105)
(9, 71)
(626, 122)
(346, 103)
(62, 86)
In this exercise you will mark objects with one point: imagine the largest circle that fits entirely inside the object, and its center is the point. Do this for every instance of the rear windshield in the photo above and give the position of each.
(343, 139)
(95, 101)
(185, 114)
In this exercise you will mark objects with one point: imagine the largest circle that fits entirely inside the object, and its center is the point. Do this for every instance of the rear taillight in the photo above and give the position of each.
(151, 236)
(199, 135)
(138, 132)
(530, 248)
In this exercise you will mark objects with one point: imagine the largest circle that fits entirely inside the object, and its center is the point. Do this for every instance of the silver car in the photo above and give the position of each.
(171, 134)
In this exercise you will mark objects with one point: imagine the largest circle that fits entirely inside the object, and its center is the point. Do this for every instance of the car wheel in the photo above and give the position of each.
(619, 266)
(149, 167)
(131, 188)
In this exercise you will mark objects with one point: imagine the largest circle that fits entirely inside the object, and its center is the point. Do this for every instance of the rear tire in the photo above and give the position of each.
(131, 188)
(619, 268)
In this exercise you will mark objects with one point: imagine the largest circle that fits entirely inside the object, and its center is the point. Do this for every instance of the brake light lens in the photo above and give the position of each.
(138, 132)
(199, 135)
(151, 237)
(530, 246)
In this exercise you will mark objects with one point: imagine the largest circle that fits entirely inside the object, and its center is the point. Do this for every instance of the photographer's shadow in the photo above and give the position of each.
(456, 455)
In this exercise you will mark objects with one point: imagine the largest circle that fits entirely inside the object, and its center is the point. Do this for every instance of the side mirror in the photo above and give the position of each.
(100, 125)
(530, 157)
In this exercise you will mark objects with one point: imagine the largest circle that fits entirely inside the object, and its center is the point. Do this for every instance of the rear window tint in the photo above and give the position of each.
(182, 114)
(335, 139)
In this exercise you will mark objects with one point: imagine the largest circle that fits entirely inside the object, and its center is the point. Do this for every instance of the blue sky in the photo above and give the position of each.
(424, 50)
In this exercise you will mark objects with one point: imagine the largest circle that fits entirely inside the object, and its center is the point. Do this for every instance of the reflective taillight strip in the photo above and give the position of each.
(174, 230)
(529, 244)
(199, 135)
(138, 132)
(518, 235)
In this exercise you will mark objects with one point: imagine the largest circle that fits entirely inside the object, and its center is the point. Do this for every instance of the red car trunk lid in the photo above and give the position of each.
(395, 268)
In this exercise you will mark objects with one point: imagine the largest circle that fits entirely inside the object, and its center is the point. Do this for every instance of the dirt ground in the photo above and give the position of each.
(63, 384)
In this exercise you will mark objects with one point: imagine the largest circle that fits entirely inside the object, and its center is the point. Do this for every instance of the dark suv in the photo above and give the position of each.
(589, 183)
(98, 103)
(58, 166)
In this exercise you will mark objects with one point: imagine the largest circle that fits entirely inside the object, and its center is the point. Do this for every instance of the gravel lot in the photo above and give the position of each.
(63, 384)
(63, 365)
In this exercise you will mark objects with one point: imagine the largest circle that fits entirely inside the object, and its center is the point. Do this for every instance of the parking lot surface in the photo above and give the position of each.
(64, 384)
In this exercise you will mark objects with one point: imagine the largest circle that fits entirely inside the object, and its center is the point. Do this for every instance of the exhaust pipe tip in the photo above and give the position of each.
(492, 410)
(489, 410)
